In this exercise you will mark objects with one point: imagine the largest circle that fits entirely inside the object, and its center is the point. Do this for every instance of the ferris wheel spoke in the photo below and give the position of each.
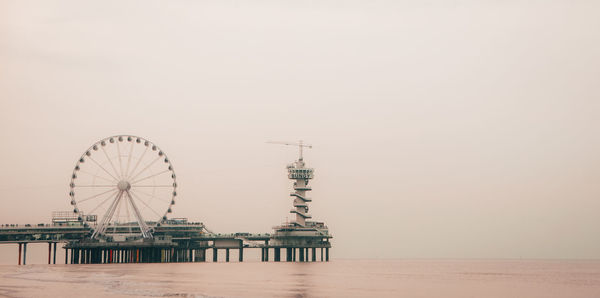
(107, 172)
(128, 160)
(142, 201)
(95, 185)
(97, 195)
(148, 166)
(151, 195)
(103, 202)
(151, 186)
(120, 162)
(138, 163)
(97, 176)
(110, 161)
(148, 177)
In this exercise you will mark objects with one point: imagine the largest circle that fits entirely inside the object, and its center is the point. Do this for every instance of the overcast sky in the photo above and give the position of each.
(441, 129)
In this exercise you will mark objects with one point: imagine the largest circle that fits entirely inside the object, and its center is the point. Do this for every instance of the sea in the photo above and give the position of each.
(337, 278)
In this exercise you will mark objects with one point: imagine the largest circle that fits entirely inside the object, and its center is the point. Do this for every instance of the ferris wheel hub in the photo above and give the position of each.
(123, 185)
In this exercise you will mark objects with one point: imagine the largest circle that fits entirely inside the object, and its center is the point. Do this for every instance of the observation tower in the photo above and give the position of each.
(301, 174)
(301, 234)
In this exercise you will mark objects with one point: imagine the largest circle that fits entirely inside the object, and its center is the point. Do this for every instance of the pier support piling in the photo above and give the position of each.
(25, 253)
(277, 252)
(20, 245)
(227, 255)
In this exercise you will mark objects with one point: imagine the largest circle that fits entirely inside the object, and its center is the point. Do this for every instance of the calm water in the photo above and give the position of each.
(339, 278)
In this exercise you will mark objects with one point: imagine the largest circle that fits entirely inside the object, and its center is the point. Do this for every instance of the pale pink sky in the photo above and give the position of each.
(447, 129)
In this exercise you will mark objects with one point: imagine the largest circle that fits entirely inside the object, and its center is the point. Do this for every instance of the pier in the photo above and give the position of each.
(164, 240)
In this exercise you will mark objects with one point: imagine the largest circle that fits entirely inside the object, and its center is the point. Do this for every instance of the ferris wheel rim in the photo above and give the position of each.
(122, 185)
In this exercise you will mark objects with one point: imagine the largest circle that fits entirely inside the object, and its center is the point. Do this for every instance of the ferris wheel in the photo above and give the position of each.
(125, 184)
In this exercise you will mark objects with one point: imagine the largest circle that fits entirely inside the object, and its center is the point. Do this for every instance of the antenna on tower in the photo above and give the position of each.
(300, 145)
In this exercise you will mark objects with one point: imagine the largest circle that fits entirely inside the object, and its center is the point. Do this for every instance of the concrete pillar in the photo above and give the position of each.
(301, 254)
(277, 252)
(262, 254)
(266, 250)
(294, 254)
(288, 254)
(49, 251)
(227, 255)
(321, 254)
(25, 253)
(314, 254)
(215, 254)
(241, 253)
(327, 254)
(66, 256)
(20, 245)
(54, 257)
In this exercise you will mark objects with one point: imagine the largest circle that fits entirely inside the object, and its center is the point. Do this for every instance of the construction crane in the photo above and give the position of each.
(300, 145)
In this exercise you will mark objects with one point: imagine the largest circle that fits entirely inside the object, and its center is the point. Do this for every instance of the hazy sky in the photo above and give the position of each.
(440, 128)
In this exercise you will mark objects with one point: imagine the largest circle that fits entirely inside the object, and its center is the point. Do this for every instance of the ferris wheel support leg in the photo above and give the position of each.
(111, 210)
(141, 223)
